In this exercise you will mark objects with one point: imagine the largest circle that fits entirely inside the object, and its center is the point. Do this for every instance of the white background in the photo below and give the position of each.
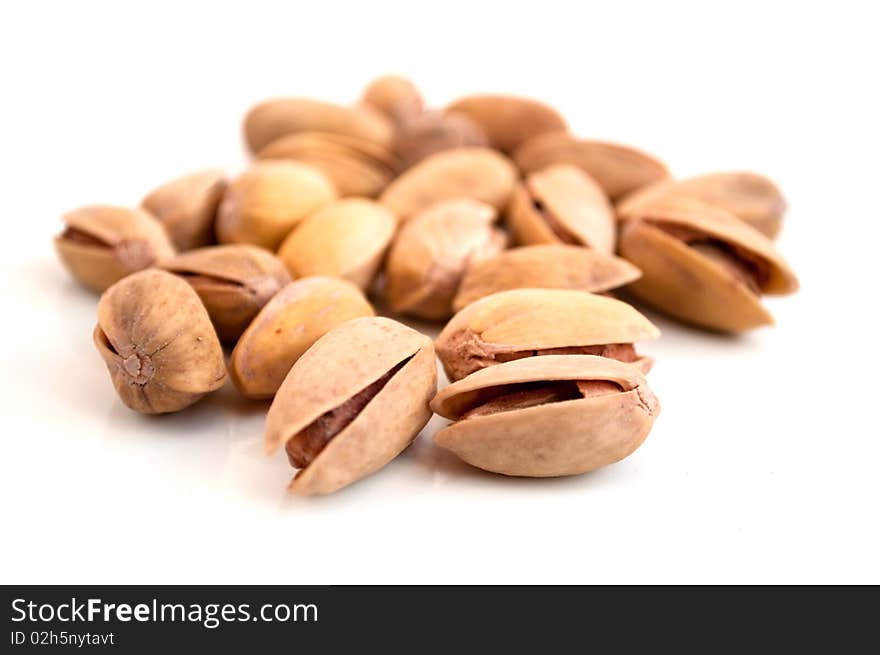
(763, 464)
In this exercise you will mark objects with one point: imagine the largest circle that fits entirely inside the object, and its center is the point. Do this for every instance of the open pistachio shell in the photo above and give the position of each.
(396, 97)
(354, 401)
(544, 267)
(263, 204)
(102, 244)
(158, 343)
(272, 119)
(347, 239)
(703, 265)
(433, 251)
(547, 416)
(509, 120)
(187, 207)
(751, 197)
(617, 168)
(434, 132)
(287, 326)
(476, 173)
(233, 282)
(527, 322)
(354, 166)
(562, 204)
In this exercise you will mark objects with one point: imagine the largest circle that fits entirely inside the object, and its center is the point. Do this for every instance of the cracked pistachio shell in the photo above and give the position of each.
(433, 132)
(286, 326)
(753, 198)
(340, 365)
(346, 239)
(354, 166)
(562, 204)
(683, 282)
(395, 97)
(509, 120)
(102, 244)
(525, 320)
(617, 168)
(187, 207)
(432, 252)
(567, 437)
(272, 119)
(476, 173)
(263, 204)
(544, 267)
(233, 282)
(158, 343)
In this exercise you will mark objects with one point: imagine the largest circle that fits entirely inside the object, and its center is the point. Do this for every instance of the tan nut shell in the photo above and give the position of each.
(187, 207)
(683, 283)
(536, 319)
(432, 252)
(509, 120)
(354, 166)
(263, 204)
(433, 132)
(544, 267)
(272, 119)
(339, 365)
(233, 282)
(287, 326)
(617, 168)
(347, 239)
(130, 240)
(476, 173)
(396, 97)
(554, 439)
(753, 198)
(158, 343)
(574, 201)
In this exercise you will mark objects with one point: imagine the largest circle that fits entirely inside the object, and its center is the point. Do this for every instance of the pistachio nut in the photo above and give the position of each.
(354, 166)
(432, 252)
(272, 119)
(353, 402)
(529, 322)
(562, 204)
(395, 97)
(101, 244)
(158, 343)
(751, 197)
(286, 326)
(703, 265)
(233, 282)
(347, 238)
(432, 132)
(547, 416)
(544, 267)
(472, 172)
(187, 207)
(509, 120)
(263, 204)
(617, 168)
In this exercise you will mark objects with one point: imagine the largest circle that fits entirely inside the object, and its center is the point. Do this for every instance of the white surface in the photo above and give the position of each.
(762, 466)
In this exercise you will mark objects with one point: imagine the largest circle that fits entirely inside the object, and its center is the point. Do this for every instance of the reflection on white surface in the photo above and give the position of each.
(734, 453)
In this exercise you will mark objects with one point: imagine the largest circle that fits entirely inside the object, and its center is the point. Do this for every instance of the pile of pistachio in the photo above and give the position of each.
(488, 215)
